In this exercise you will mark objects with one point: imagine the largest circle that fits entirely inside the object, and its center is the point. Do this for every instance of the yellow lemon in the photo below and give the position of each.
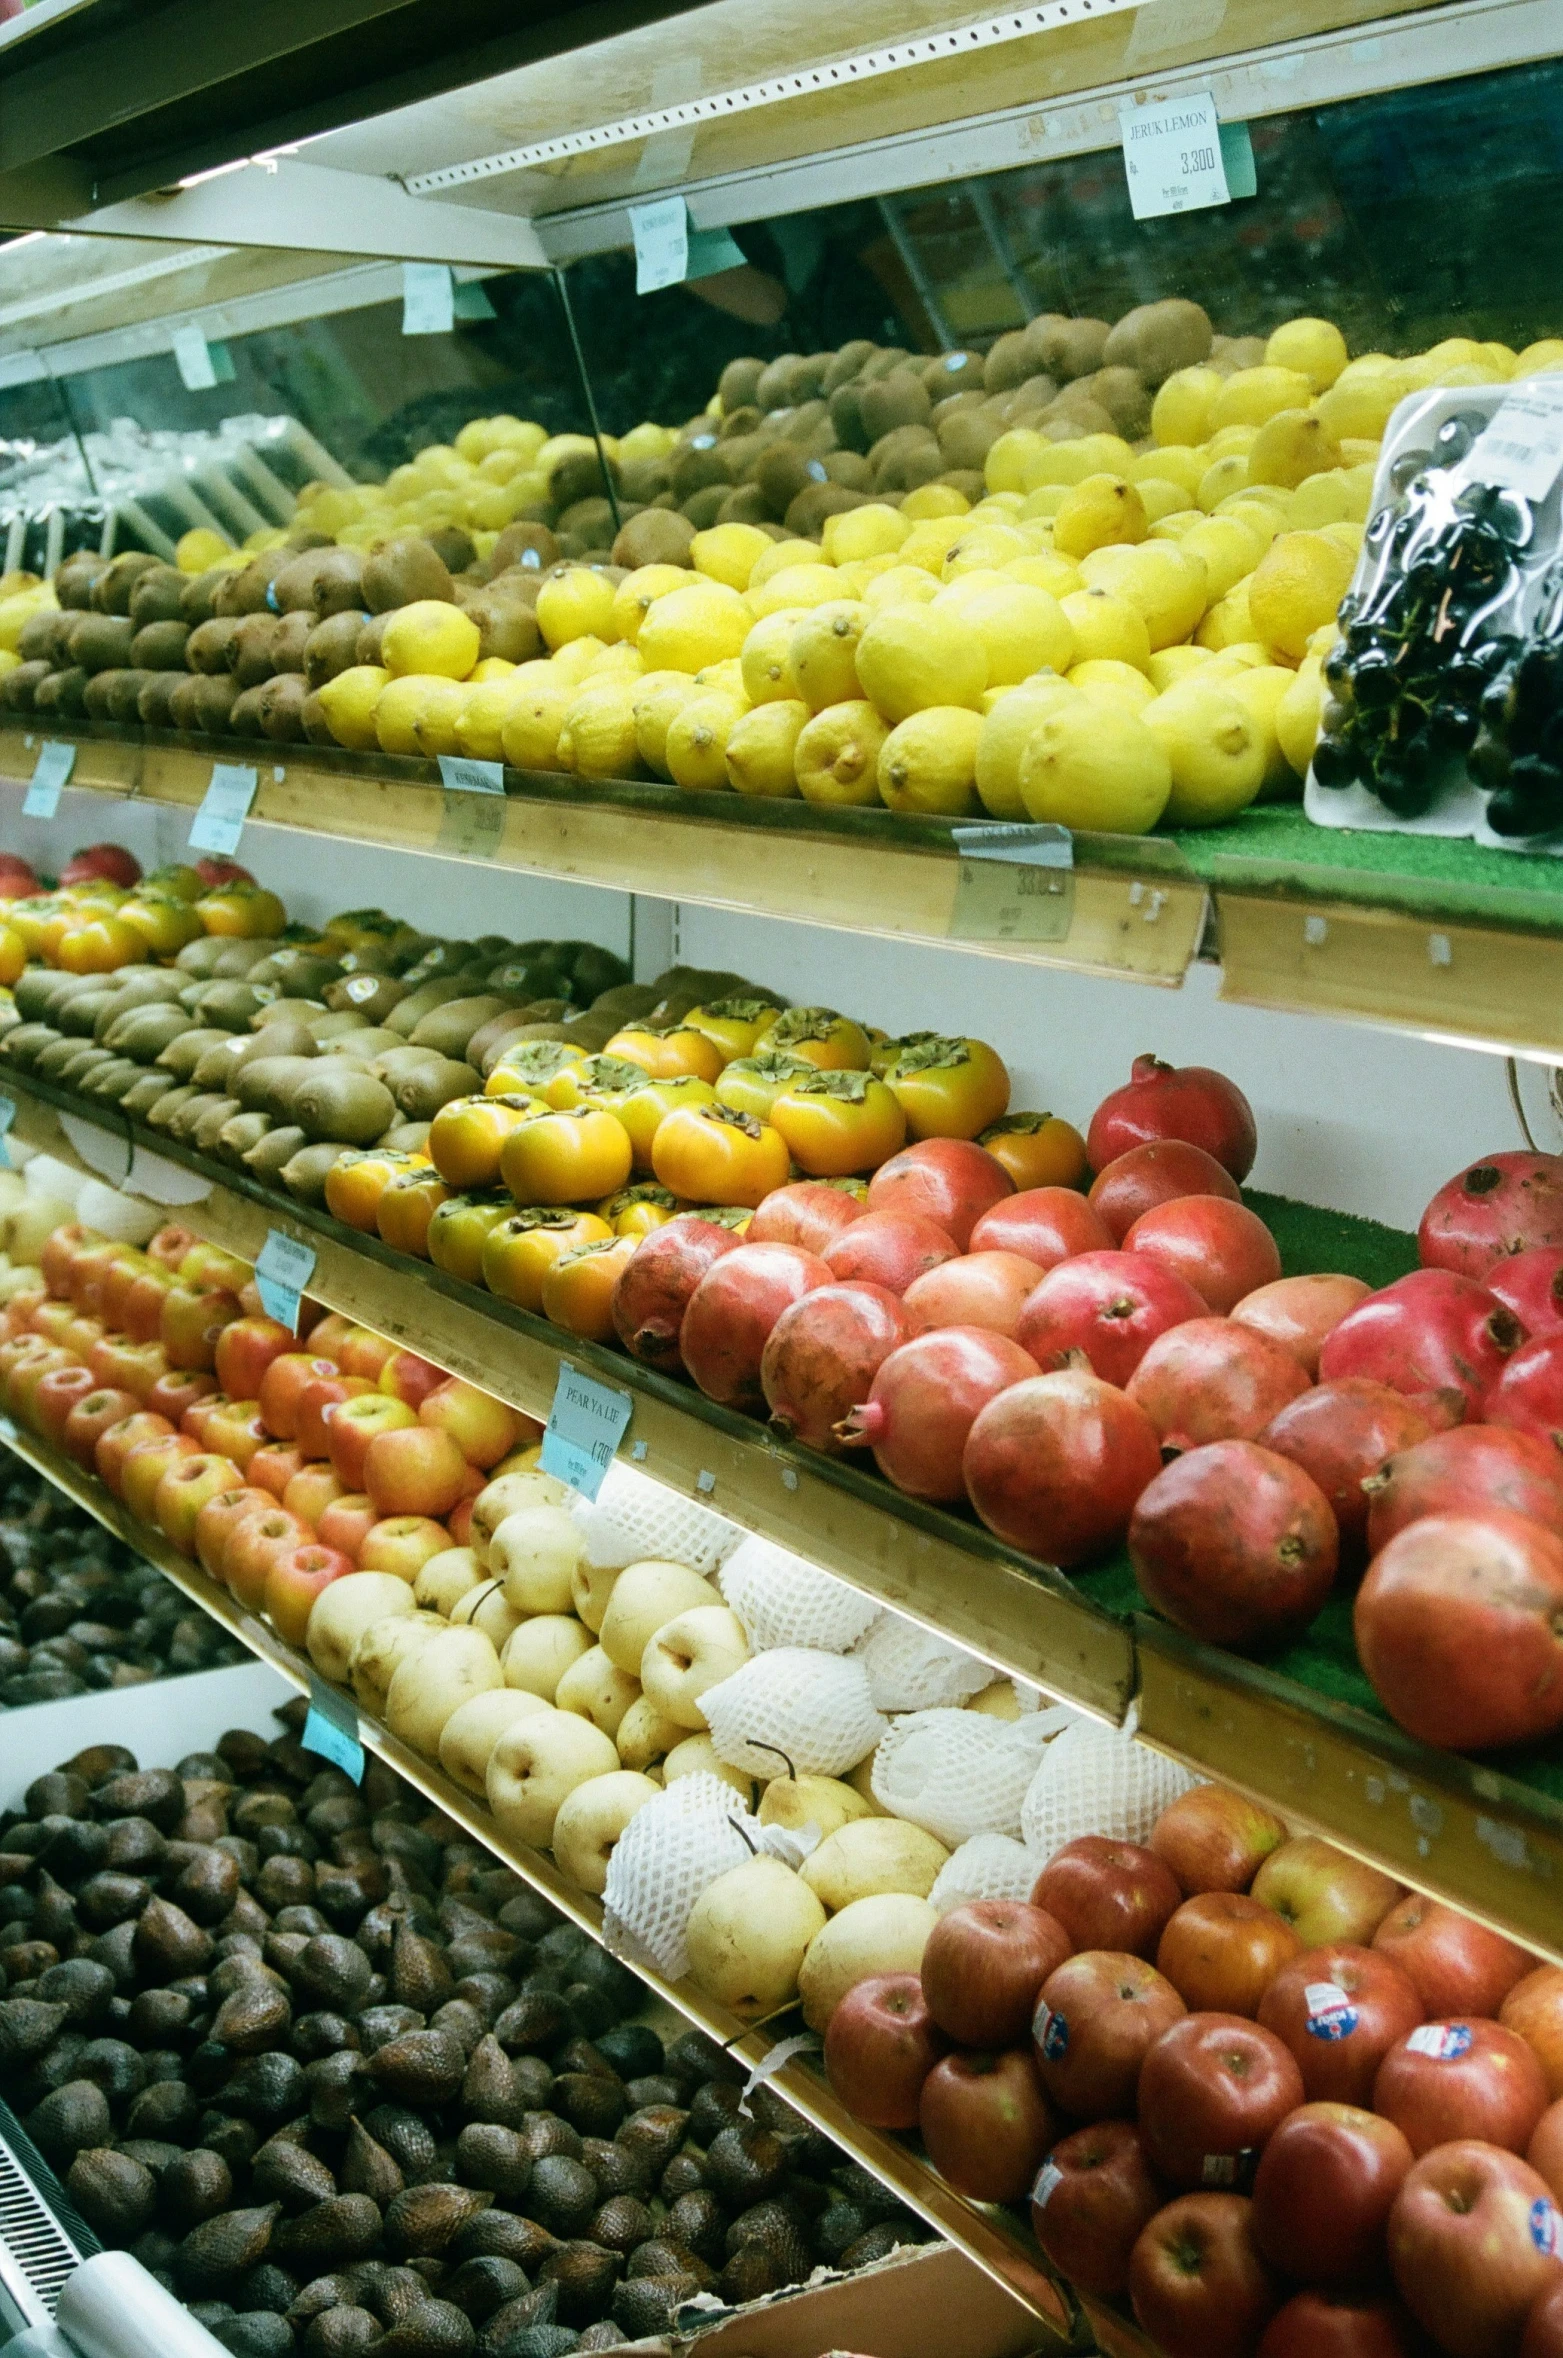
(729, 552)
(1096, 766)
(598, 737)
(929, 543)
(695, 748)
(913, 657)
(703, 623)
(1221, 479)
(1099, 513)
(1227, 549)
(637, 593)
(194, 551)
(429, 636)
(1362, 404)
(1045, 569)
(1021, 628)
(1290, 447)
(1260, 689)
(576, 604)
(1007, 730)
(1540, 358)
(1298, 713)
(348, 703)
(929, 761)
(727, 675)
(1173, 664)
(541, 696)
(1185, 405)
(1106, 628)
(579, 658)
(795, 585)
(1241, 655)
(934, 499)
(1296, 587)
(1012, 461)
(1250, 395)
(836, 759)
(1043, 504)
(1163, 495)
(870, 531)
(1214, 750)
(762, 748)
(660, 696)
(766, 662)
(1160, 579)
(428, 711)
(823, 651)
(1323, 499)
(1107, 682)
(1261, 517)
(491, 667)
(984, 545)
(1172, 463)
(780, 555)
(481, 721)
(902, 585)
(1315, 348)
(1228, 623)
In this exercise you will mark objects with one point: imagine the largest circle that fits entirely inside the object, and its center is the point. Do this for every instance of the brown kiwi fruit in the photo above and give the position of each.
(780, 475)
(215, 694)
(1076, 349)
(456, 550)
(75, 577)
(124, 696)
(339, 581)
(1126, 397)
(896, 401)
(249, 650)
(739, 384)
(696, 464)
(112, 587)
(743, 505)
(195, 603)
(773, 386)
(343, 1102)
(96, 698)
(304, 1174)
(704, 507)
(654, 537)
(266, 1083)
(19, 685)
(44, 636)
(367, 648)
(953, 372)
(641, 481)
(578, 475)
(160, 645)
(317, 725)
(734, 424)
(847, 363)
(272, 1149)
(154, 704)
(248, 589)
(420, 1093)
(332, 646)
(450, 1028)
(804, 422)
(210, 644)
(294, 632)
(101, 642)
(1159, 338)
(402, 569)
(280, 706)
(816, 501)
(63, 692)
(157, 595)
(966, 439)
(523, 543)
(241, 1132)
(1008, 362)
(294, 586)
(370, 995)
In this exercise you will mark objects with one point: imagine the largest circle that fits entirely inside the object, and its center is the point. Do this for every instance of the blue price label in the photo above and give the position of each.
(7, 1117)
(587, 1422)
(332, 1728)
(283, 1269)
(224, 808)
(428, 299)
(50, 772)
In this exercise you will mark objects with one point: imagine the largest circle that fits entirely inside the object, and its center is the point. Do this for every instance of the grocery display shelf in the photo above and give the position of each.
(1303, 1734)
(993, 2238)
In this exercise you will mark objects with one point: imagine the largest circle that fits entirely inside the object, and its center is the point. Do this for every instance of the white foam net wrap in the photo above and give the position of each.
(989, 1866)
(1097, 1780)
(662, 1862)
(47, 1176)
(121, 1217)
(783, 1600)
(959, 1773)
(633, 1519)
(793, 1705)
(909, 1669)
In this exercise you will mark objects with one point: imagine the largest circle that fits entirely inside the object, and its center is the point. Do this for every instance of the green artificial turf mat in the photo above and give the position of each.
(1279, 850)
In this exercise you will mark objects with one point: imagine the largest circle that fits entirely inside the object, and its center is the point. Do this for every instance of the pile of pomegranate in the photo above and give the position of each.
(1129, 1364)
(1246, 2083)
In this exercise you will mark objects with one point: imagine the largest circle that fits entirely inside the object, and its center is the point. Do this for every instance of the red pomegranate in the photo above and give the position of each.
(1212, 1380)
(1055, 1464)
(111, 861)
(808, 1214)
(1459, 1625)
(1224, 1250)
(924, 1401)
(1464, 1473)
(1111, 1306)
(1439, 1338)
(975, 1289)
(655, 1284)
(891, 1249)
(1529, 1394)
(1342, 1435)
(948, 1180)
(1146, 1176)
(1504, 1204)
(1189, 1102)
(1531, 1285)
(1235, 1545)
(732, 1311)
(822, 1355)
(1044, 1224)
(1301, 1311)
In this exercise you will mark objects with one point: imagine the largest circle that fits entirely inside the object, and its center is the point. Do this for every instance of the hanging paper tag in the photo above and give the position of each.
(282, 1271)
(661, 233)
(332, 1728)
(471, 777)
(1520, 448)
(193, 359)
(224, 808)
(1172, 155)
(7, 1117)
(587, 1422)
(428, 299)
(1013, 883)
(53, 766)
(472, 826)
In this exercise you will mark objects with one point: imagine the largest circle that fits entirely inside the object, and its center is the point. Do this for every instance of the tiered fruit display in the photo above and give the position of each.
(833, 584)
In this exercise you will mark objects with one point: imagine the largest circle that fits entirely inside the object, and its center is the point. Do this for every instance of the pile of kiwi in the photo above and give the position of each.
(342, 2083)
(79, 1611)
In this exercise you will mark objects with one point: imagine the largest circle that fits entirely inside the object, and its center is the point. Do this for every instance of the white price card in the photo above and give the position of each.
(428, 299)
(1172, 155)
(1014, 883)
(331, 1728)
(587, 1422)
(661, 233)
(53, 766)
(193, 358)
(7, 1117)
(224, 808)
(471, 777)
(1520, 448)
(282, 1271)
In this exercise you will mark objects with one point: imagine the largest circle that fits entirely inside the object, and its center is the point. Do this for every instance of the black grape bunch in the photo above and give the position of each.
(1418, 649)
(1518, 756)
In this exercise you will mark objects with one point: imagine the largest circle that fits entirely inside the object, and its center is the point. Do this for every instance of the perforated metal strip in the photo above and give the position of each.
(36, 2254)
(926, 50)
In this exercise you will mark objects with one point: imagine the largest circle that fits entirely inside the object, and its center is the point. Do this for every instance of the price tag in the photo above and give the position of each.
(224, 808)
(193, 358)
(282, 1271)
(1521, 447)
(332, 1728)
(471, 777)
(1172, 155)
(1013, 884)
(472, 826)
(53, 766)
(7, 1117)
(661, 233)
(428, 299)
(587, 1422)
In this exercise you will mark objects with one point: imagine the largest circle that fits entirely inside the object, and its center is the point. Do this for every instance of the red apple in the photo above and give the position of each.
(191, 1322)
(407, 1377)
(1473, 2244)
(357, 1350)
(274, 1466)
(1450, 2080)
(282, 1389)
(1317, 2324)
(1093, 2196)
(124, 1366)
(176, 1393)
(145, 1467)
(328, 1338)
(1458, 1966)
(318, 1403)
(293, 1581)
(143, 1304)
(459, 1522)
(81, 1334)
(22, 1390)
(1534, 2008)
(111, 861)
(1108, 1895)
(420, 1471)
(184, 1490)
(219, 1518)
(214, 871)
(254, 1546)
(1340, 2009)
(171, 1247)
(1545, 2150)
(983, 1966)
(90, 1418)
(310, 1492)
(347, 1522)
(59, 1393)
(1097, 2016)
(1324, 1893)
(1213, 2089)
(1323, 2192)
(880, 2045)
(1196, 2280)
(116, 1444)
(401, 1544)
(236, 1429)
(986, 2123)
(210, 1267)
(354, 1424)
(483, 1428)
(1222, 1950)
(1543, 2336)
(245, 1349)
